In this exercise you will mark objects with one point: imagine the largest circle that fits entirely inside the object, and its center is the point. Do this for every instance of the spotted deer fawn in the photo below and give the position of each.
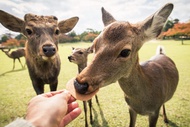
(42, 56)
(79, 56)
(146, 86)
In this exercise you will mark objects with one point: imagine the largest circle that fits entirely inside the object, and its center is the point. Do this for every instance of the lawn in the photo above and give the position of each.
(16, 89)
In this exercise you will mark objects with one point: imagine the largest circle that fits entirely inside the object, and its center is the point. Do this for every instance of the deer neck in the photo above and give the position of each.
(135, 82)
(81, 66)
(8, 54)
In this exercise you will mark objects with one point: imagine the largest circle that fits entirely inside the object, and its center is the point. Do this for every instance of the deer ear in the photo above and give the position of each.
(107, 18)
(89, 50)
(11, 22)
(152, 26)
(67, 25)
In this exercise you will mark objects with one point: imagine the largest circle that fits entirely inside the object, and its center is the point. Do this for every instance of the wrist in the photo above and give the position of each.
(42, 122)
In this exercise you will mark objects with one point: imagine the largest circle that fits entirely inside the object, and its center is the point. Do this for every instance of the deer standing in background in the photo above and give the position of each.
(79, 56)
(15, 55)
(42, 56)
(146, 86)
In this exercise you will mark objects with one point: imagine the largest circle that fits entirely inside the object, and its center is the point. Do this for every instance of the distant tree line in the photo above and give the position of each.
(176, 30)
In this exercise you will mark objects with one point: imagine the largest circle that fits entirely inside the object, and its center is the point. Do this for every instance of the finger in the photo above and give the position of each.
(50, 94)
(72, 99)
(72, 106)
(63, 96)
(70, 117)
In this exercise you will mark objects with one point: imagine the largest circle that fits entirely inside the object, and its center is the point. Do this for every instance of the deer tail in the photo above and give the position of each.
(160, 50)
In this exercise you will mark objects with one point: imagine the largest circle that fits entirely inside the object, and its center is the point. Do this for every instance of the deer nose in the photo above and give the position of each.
(81, 88)
(49, 51)
(70, 57)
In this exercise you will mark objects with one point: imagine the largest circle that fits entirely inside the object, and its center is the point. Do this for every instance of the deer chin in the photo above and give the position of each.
(48, 58)
(45, 58)
(83, 97)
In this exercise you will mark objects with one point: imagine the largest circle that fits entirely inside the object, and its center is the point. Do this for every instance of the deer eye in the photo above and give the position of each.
(80, 52)
(57, 32)
(125, 53)
(28, 31)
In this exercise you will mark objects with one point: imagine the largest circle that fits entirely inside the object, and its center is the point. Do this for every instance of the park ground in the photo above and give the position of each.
(16, 89)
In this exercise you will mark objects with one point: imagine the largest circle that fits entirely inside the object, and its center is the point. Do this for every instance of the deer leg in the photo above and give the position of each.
(85, 113)
(164, 115)
(20, 62)
(53, 86)
(38, 87)
(133, 116)
(97, 100)
(13, 64)
(90, 107)
(153, 118)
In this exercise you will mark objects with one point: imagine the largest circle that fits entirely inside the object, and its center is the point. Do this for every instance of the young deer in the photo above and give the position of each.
(15, 55)
(146, 86)
(79, 56)
(42, 56)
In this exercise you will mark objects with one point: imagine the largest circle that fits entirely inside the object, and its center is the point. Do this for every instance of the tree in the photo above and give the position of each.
(169, 24)
(179, 31)
(72, 34)
(89, 35)
(20, 37)
(4, 38)
(176, 21)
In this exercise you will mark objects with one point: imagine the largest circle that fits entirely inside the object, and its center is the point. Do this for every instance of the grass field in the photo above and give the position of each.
(16, 89)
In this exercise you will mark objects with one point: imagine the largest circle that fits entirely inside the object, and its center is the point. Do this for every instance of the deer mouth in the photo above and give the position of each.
(48, 58)
(83, 96)
(71, 59)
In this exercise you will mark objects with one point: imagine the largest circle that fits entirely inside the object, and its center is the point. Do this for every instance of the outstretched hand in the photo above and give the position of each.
(54, 109)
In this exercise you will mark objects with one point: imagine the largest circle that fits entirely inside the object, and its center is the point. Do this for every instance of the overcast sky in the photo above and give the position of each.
(89, 11)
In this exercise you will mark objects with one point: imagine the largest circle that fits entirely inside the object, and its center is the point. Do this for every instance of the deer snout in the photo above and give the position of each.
(49, 50)
(70, 58)
(81, 88)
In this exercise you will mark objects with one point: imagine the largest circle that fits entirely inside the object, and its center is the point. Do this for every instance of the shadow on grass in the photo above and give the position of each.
(96, 123)
(172, 124)
(12, 71)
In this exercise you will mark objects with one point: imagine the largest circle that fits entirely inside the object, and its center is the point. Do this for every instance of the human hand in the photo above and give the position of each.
(53, 109)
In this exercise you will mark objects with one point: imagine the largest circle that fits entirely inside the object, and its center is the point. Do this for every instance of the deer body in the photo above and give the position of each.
(79, 56)
(15, 55)
(146, 86)
(42, 56)
(151, 93)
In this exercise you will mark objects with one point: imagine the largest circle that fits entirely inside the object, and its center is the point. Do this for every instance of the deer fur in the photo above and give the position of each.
(17, 54)
(146, 86)
(42, 56)
(79, 56)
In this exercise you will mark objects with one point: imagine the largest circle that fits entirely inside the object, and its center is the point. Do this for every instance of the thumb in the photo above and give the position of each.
(65, 95)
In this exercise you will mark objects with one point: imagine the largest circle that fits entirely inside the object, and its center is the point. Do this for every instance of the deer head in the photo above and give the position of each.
(79, 55)
(42, 32)
(116, 49)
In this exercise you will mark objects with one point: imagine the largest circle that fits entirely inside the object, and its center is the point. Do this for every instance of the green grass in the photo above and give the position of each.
(16, 89)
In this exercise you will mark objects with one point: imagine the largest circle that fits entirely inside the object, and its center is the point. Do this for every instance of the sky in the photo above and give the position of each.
(89, 11)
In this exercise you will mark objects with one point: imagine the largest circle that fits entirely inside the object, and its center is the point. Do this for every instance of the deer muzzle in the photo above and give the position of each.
(81, 88)
(49, 50)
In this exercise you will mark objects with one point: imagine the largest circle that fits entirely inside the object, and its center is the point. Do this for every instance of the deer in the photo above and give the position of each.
(148, 85)
(17, 54)
(42, 56)
(79, 56)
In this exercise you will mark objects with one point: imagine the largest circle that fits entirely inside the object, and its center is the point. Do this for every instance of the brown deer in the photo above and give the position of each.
(15, 55)
(42, 56)
(146, 86)
(79, 56)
